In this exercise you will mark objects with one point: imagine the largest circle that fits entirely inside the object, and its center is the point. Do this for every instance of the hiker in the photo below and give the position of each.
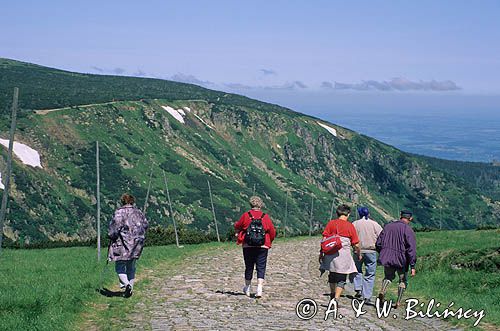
(368, 231)
(340, 264)
(127, 232)
(256, 232)
(397, 247)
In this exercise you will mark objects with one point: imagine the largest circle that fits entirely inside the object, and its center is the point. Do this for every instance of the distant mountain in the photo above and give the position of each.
(194, 135)
(485, 177)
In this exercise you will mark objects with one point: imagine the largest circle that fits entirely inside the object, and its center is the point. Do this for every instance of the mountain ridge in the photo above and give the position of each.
(235, 142)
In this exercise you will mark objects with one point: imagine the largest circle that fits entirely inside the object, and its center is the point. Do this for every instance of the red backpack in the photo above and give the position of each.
(331, 245)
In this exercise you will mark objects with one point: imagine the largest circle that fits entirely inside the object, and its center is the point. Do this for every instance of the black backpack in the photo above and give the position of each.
(255, 235)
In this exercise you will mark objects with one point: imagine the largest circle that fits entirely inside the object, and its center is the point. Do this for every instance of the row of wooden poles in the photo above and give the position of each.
(8, 173)
(146, 203)
(171, 209)
(7, 179)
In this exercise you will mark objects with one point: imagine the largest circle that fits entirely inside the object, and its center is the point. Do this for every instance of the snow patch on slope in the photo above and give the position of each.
(202, 121)
(178, 114)
(329, 129)
(1, 183)
(26, 154)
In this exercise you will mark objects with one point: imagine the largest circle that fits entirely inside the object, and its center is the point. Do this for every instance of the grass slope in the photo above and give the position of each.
(485, 177)
(54, 289)
(46, 88)
(250, 144)
(463, 267)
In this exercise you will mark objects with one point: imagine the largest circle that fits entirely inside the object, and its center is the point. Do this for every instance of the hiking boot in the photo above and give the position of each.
(358, 294)
(246, 290)
(258, 294)
(128, 292)
(381, 297)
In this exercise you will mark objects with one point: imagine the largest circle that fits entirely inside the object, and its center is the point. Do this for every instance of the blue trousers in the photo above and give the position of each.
(126, 272)
(255, 257)
(364, 283)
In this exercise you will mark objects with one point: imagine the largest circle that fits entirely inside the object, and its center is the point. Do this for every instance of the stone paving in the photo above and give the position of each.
(205, 293)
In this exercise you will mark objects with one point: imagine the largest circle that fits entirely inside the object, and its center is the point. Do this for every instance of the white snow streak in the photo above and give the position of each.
(1, 183)
(329, 129)
(26, 154)
(202, 121)
(178, 114)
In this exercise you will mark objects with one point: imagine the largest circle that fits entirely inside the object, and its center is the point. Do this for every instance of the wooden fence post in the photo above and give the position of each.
(98, 196)
(213, 210)
(5, 196)
(171, 210)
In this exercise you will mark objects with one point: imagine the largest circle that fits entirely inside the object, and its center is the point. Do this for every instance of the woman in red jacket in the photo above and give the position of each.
(256, 232)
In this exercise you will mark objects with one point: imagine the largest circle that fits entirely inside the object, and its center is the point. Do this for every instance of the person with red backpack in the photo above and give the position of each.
(335, 255)
(255, 232)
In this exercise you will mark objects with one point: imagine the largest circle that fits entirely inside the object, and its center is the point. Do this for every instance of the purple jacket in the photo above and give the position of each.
(127, 232)
(397, 246)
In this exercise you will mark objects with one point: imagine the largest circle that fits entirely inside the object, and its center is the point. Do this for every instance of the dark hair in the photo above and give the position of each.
(127, 199)
(363, 212)
(344, 210)
(406, 214)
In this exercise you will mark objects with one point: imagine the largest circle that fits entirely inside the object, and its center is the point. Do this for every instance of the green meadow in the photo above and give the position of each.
(55, 289)
(458, 266)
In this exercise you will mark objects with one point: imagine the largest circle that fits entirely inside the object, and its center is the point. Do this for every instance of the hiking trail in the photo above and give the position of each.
(205, 293)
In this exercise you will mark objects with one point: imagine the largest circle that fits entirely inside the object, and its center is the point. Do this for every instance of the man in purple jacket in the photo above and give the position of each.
(397, 249)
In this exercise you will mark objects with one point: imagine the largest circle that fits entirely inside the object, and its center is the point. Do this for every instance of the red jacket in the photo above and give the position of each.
(244, 222)
(342, 228)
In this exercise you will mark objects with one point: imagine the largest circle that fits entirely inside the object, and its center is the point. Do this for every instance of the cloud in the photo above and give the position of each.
(116, 71)
(285, 86)
(101, 70)
(238, 86)
(190, 79)
(326, 85)
(396, 84)
(140, 73)
(299, 84)
(268, 72)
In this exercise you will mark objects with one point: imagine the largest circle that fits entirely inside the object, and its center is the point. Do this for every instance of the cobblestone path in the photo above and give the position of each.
(205, 293)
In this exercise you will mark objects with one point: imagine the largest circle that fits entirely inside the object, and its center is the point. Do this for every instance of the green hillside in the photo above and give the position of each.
(54, 289)
(44, 88)
(485, 177)
(235, 142)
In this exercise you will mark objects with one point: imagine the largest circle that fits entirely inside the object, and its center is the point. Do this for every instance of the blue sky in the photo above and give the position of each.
(369, 52)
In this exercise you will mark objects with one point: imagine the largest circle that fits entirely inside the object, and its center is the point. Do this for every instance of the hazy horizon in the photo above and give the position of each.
(325, 58)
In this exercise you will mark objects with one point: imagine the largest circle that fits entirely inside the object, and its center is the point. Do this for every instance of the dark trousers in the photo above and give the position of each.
(390, 274)
(339, 279)
(255, 256)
